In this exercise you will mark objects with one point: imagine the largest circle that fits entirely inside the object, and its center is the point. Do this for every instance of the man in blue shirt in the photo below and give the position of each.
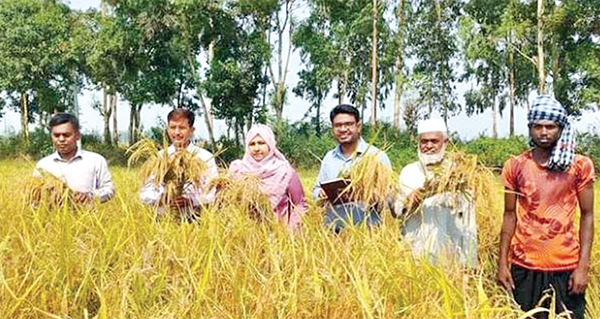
(346, 129)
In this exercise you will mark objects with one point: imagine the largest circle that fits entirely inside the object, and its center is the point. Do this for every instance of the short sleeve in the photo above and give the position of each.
(585, 172)
(508, 174)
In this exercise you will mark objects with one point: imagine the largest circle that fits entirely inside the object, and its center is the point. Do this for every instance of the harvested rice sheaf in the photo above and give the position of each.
(242, 193)
(47, 190)
(461, 173)
(371, 181)
(174, 172)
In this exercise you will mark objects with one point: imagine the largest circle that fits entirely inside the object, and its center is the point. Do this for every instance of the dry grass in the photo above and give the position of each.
(173, 171)
(47, 190)
(460, 173)
(242, 194)
(371, 181)
(114, 260)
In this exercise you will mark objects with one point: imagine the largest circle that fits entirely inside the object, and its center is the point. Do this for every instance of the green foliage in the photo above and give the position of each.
(493, 152)
(40, 59)
(301, 146)
(40, 145)
(588, 144)
(229, 149)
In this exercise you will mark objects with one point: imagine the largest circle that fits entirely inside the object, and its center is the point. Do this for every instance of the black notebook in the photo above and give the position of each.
(333, 188)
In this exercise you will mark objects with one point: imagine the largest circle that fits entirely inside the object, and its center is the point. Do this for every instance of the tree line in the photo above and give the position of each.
(230, 59)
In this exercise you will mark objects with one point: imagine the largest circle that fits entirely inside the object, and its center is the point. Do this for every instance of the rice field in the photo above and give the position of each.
(114, 260)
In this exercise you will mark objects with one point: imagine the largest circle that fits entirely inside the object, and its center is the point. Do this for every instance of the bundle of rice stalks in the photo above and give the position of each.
(242, 193)
(47, 190)
(371, 181)
(460, 173)
(174, 172)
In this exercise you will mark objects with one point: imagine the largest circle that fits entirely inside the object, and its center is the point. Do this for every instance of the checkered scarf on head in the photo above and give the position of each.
(547, 108)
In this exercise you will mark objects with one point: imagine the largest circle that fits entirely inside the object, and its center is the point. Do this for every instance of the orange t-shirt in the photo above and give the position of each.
(545, 238)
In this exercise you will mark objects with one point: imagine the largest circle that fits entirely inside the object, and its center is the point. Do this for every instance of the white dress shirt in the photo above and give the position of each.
(445, 224)
(86, 172)
(150, 194)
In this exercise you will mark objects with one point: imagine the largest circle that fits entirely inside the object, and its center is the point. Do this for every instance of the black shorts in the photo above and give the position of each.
(530, 286)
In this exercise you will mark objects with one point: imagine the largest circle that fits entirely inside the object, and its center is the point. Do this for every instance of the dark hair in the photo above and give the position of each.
(345, 109)
(62, 118)
(179, 113)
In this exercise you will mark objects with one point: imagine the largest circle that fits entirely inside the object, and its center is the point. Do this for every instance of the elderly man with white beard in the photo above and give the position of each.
(438, 224)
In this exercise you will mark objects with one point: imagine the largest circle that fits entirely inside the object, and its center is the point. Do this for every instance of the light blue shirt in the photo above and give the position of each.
(335, 162)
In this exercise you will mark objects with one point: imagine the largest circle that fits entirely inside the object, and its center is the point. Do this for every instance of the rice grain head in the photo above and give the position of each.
(242, 193)
(174, 172)
(371, 181)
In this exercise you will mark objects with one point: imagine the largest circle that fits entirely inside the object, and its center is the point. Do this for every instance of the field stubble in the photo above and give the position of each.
(115, 261)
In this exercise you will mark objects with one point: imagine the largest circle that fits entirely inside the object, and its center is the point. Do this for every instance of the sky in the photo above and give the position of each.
(294, 110)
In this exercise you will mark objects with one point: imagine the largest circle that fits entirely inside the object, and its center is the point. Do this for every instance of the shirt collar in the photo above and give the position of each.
(360, 149)
(190, 148)
(56, 157)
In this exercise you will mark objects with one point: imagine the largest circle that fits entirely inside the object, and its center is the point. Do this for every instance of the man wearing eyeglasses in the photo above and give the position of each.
(346, 129)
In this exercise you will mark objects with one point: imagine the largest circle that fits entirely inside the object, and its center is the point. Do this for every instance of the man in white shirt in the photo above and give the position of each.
(180, 129)
(443, 223)
(85, 173)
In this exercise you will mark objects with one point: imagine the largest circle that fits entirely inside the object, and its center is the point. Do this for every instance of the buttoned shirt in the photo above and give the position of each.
(444, 224)
(86, 172)
(335, 162)
(151, 194)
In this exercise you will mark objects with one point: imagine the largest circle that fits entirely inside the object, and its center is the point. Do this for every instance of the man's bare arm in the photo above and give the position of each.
(509, 223)
(579, 278)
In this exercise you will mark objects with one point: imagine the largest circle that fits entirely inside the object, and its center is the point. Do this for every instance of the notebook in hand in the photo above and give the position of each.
(333, 188)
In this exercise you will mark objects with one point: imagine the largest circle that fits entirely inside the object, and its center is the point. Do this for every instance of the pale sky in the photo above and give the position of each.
(467, 127)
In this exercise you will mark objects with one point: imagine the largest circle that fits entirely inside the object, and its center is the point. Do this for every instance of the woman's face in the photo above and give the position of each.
(258, 148)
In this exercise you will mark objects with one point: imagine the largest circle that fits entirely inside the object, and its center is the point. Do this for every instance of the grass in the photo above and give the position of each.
(114, 260)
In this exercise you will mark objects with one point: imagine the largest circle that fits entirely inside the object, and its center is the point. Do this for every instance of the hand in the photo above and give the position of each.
(82, 198)
(180, 202)
(504, 277)
(578, 281)
(322, 195)
(414, 199)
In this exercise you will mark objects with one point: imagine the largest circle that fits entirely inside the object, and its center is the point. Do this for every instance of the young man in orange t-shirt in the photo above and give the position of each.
(539, 247)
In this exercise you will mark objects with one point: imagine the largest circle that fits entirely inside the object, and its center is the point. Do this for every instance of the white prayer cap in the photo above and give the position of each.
(432, 125)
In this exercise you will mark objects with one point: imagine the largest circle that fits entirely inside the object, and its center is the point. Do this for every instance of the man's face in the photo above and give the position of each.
(544, 133)
(432, 142)
(180, 132)
(64, 138)
(346, 130)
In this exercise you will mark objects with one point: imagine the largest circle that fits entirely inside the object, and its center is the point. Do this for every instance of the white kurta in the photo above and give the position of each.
(446, 224)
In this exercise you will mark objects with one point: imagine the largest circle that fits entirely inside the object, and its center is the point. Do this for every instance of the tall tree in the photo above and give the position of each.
(398, 52)
(235, 74)
(38, 62)
(433, 45)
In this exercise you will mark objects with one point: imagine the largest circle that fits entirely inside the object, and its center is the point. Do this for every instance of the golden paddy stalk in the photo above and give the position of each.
(113, 260)
(242, 193)
(173, 171)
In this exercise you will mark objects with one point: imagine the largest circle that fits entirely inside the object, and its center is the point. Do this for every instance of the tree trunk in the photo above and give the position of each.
(494, 118)
(540, 47)
(208, 119)
(106, 113)
(134, 123)
(399, 79)
(113, 106)
(374, 72)
(25, 117)
(512, 87)
(342, 86)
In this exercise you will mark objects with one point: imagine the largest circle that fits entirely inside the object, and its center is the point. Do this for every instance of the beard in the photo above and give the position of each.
(431, 159)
